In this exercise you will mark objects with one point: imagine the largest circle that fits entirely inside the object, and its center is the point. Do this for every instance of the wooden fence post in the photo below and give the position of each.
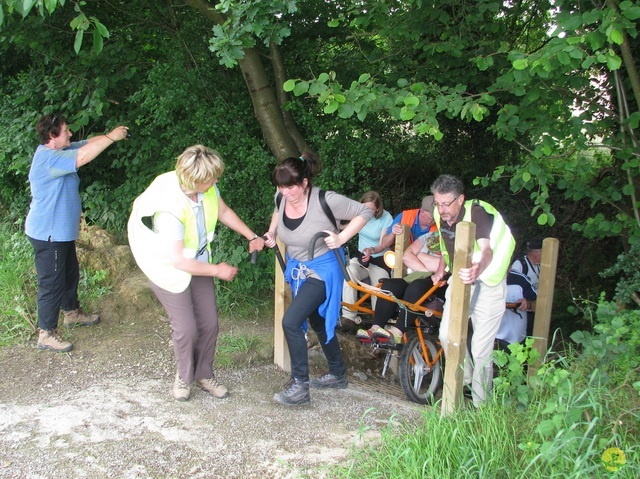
(403, 240)
(456, 346)
(282, 301)
(544, 303)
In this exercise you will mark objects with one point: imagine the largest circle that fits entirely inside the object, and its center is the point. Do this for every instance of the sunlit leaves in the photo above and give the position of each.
(246, 24)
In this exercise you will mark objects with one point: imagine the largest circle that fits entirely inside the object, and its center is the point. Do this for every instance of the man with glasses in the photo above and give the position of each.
(494, 245)
(53, 223)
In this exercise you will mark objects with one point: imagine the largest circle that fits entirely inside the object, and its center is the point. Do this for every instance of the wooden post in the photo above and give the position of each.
(282, 301)
(544, 303)
(403, 240)
(456, 346)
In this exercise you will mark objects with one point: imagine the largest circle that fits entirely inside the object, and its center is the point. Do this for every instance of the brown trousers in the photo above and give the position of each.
(194, 320)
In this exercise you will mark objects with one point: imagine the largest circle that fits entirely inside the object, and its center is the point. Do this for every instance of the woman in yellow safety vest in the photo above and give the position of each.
(170, 231)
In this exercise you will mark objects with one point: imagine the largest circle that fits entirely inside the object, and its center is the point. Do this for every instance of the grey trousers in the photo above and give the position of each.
(194, 320)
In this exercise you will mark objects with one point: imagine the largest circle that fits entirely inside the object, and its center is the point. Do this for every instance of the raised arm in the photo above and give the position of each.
(97, 144)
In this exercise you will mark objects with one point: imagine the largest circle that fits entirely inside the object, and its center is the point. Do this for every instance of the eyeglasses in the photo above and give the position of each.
(446, 204)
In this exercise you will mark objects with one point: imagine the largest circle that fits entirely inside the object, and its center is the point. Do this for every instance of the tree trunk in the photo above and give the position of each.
(265, 104)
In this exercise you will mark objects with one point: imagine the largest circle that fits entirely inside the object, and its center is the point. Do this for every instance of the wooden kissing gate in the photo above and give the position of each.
(452, 396)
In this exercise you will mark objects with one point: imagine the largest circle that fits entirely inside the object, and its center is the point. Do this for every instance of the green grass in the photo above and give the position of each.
(19, 292)
(561, 433)
(19, 286)
(234, 350)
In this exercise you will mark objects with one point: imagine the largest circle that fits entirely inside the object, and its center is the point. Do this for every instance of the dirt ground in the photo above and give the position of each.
(104, 410)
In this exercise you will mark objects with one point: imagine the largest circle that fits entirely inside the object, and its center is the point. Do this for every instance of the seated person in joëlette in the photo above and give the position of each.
(422, 259)
(522, 294)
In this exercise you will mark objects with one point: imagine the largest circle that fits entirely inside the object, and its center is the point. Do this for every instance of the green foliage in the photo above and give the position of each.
(627, 270)
(615, 336)
(511, 385)
(19, 286)
(93, 286)
(449, 63)
(545, 92)
(245, 23)
(231, 347)
(563, 421)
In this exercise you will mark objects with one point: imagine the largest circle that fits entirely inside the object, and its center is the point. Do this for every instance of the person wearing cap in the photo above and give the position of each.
(422, 259)
(528, 263)
(419, 221)
(522, 295)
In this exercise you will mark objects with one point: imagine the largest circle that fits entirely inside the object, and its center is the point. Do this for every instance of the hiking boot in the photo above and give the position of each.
(295, 392)
(329, 381)
(213, 387)
(181, 390)
(52, 341)
(77, 317)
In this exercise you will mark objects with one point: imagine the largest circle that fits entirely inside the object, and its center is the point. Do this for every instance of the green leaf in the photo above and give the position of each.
(289, 85)
(478, 112)
(301, 88)
(521, 64)
(77, 44)
(632, 13)
(406, 114)
(613, 61)
(346, 110)
(27, 5)
(333, 23)
(50, 5)
(364, 78)
(542, 219)
(331, 106)
(98, 44)
(615, 36)
(101, 28)
(323, 78)
(411, 100)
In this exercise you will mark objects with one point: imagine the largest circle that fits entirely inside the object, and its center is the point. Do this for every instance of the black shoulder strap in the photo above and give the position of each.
(327, 210)
(323, 203)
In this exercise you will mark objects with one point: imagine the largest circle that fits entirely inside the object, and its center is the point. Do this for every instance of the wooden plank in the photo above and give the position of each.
(456, 346)
(544, 303)
(403, 240)
(282, 301)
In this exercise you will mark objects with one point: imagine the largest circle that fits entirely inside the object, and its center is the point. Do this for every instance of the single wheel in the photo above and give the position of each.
(419, 382)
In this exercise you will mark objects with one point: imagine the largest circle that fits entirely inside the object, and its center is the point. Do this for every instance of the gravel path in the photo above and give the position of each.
(104, 410)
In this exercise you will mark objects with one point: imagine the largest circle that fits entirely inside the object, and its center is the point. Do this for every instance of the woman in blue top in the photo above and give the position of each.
(53, 223)
(316, 282)
(369, 265)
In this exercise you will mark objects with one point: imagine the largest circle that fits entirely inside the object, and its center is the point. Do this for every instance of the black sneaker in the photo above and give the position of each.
(330, 381)
(295, 392)
(467, 392)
